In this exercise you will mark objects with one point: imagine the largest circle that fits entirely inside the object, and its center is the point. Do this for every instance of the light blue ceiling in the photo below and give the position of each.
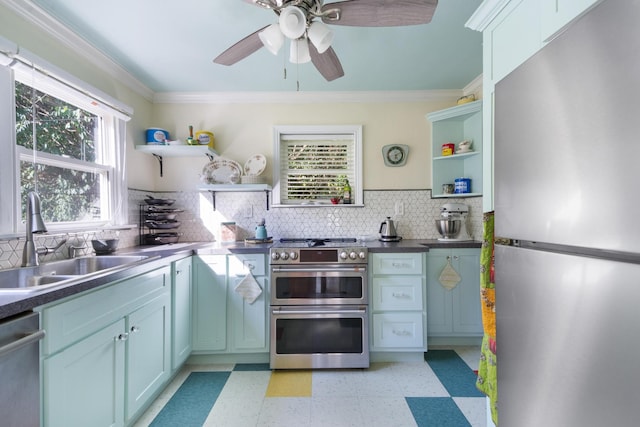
(169, 46)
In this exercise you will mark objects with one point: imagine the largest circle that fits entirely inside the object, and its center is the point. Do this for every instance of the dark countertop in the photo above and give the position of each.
(162, 255)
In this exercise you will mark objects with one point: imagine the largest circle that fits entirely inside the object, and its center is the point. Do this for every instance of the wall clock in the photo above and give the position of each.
(395, 154)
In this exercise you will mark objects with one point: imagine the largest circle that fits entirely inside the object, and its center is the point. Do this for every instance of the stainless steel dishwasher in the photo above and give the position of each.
(20, 370)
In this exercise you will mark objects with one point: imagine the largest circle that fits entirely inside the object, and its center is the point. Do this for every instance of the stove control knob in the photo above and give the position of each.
(284, 256)
(343, 255)
(353, 255)
(293, 255)
(275, 256)
(362, 255)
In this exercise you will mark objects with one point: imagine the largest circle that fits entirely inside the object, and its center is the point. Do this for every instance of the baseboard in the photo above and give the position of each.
(212, 359)
(449, 341)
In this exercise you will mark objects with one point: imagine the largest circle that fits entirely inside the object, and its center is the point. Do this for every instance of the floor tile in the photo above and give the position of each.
(285, 411)
(436, 412)
(407, 394)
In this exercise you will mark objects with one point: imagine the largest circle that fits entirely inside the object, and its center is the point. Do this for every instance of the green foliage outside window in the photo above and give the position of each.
(58, 128)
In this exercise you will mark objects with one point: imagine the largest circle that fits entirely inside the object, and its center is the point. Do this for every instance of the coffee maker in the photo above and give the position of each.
(452, 224)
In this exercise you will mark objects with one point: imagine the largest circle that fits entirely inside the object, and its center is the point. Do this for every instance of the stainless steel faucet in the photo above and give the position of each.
(35, 224)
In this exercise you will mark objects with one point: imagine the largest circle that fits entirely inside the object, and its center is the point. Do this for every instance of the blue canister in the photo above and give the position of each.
(462, 185)
(157, 136)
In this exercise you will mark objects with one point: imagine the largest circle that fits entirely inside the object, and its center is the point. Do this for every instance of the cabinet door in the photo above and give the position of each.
(84, 384)
(181, 312)
(148, 353)
(439, 299)
(456, 311)
(248, 322)
(466, 310)
(209, 303)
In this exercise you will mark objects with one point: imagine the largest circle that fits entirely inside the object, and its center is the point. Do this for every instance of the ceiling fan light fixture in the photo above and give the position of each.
(293, 22)
(299, 51)
(272, 38)
(320, 35)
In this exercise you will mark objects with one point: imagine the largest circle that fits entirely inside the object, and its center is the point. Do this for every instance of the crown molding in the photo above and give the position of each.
(474, 85)
(302, 97)
(40, 18)
(485, 13)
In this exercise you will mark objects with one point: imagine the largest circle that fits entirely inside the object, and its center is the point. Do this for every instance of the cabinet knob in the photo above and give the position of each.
(134, 329)
(122, 337)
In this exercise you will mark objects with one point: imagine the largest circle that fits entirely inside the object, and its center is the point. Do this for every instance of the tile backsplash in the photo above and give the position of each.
(200, 222)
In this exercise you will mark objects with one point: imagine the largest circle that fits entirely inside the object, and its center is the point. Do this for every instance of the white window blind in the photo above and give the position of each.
(314, 164)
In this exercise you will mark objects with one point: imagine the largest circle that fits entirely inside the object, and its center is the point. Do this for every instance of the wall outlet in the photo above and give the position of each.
(399, 208)
(248, 211)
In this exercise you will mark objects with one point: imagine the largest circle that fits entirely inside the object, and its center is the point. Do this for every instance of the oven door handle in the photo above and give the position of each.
(318, 269)
(347, 311)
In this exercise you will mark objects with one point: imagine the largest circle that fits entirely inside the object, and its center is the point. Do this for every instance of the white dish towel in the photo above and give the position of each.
(449, 277)
(249, 288)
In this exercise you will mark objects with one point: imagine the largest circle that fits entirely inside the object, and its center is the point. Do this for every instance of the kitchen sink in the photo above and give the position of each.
(58, 273)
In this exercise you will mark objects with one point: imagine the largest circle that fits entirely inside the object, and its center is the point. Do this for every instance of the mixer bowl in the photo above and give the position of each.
(448, 228)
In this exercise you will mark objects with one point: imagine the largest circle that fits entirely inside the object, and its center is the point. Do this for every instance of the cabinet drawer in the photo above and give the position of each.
(401, 263)
(73, 320)
(398, 330)
(397, 293)
(241, 265)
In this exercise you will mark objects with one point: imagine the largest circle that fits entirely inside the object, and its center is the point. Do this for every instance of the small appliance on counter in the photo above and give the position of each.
(388, 231)
(452, 224)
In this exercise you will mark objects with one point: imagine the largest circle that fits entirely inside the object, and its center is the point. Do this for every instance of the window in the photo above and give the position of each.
(312, 164)
(63, 140)
(61, 156)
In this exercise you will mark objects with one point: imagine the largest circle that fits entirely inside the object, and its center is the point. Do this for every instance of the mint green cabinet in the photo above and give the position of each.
(247, 321)
(456, 124)
(148, 359)
(223, 321)
(397, 302)
(107, 352)
(454, 313)
(181, 310)
(209, 303)
(83, 385)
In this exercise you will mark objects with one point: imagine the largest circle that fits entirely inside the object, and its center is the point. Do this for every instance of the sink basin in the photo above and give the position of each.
(57, 273)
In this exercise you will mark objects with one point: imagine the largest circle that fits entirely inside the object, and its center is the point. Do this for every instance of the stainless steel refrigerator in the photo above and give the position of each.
(567, 192)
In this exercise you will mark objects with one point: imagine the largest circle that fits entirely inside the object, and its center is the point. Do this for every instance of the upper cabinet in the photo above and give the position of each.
(556, 14)
(512, 32)
(456, 124)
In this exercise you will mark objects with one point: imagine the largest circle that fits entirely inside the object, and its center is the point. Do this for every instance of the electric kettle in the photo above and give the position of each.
(388, 231)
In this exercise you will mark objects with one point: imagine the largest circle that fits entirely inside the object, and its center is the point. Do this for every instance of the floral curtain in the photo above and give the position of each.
(487, 381)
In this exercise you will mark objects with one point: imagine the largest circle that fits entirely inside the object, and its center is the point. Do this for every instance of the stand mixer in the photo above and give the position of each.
(452, 224)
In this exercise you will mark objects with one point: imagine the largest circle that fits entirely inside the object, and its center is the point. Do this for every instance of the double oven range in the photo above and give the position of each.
(319, 304)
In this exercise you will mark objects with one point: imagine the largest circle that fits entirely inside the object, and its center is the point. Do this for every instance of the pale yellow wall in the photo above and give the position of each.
(245, 129)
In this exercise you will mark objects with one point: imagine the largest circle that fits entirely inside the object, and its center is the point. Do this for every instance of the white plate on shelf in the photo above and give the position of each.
(255, 165)
(219, 170)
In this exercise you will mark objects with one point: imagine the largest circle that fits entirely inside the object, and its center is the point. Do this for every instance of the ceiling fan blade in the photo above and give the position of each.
(381, 13)
(327, 63)
(240, 50)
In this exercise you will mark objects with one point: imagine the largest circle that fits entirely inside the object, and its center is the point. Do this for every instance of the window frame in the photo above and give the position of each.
(35, 72)
(318, 132)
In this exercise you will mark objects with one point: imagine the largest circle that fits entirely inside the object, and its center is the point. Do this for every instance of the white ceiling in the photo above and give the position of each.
(169, 46)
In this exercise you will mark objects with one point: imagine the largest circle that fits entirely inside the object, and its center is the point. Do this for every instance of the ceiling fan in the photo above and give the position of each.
(303, 22)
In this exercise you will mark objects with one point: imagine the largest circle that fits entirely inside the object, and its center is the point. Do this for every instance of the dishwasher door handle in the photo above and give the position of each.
(26, 340)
